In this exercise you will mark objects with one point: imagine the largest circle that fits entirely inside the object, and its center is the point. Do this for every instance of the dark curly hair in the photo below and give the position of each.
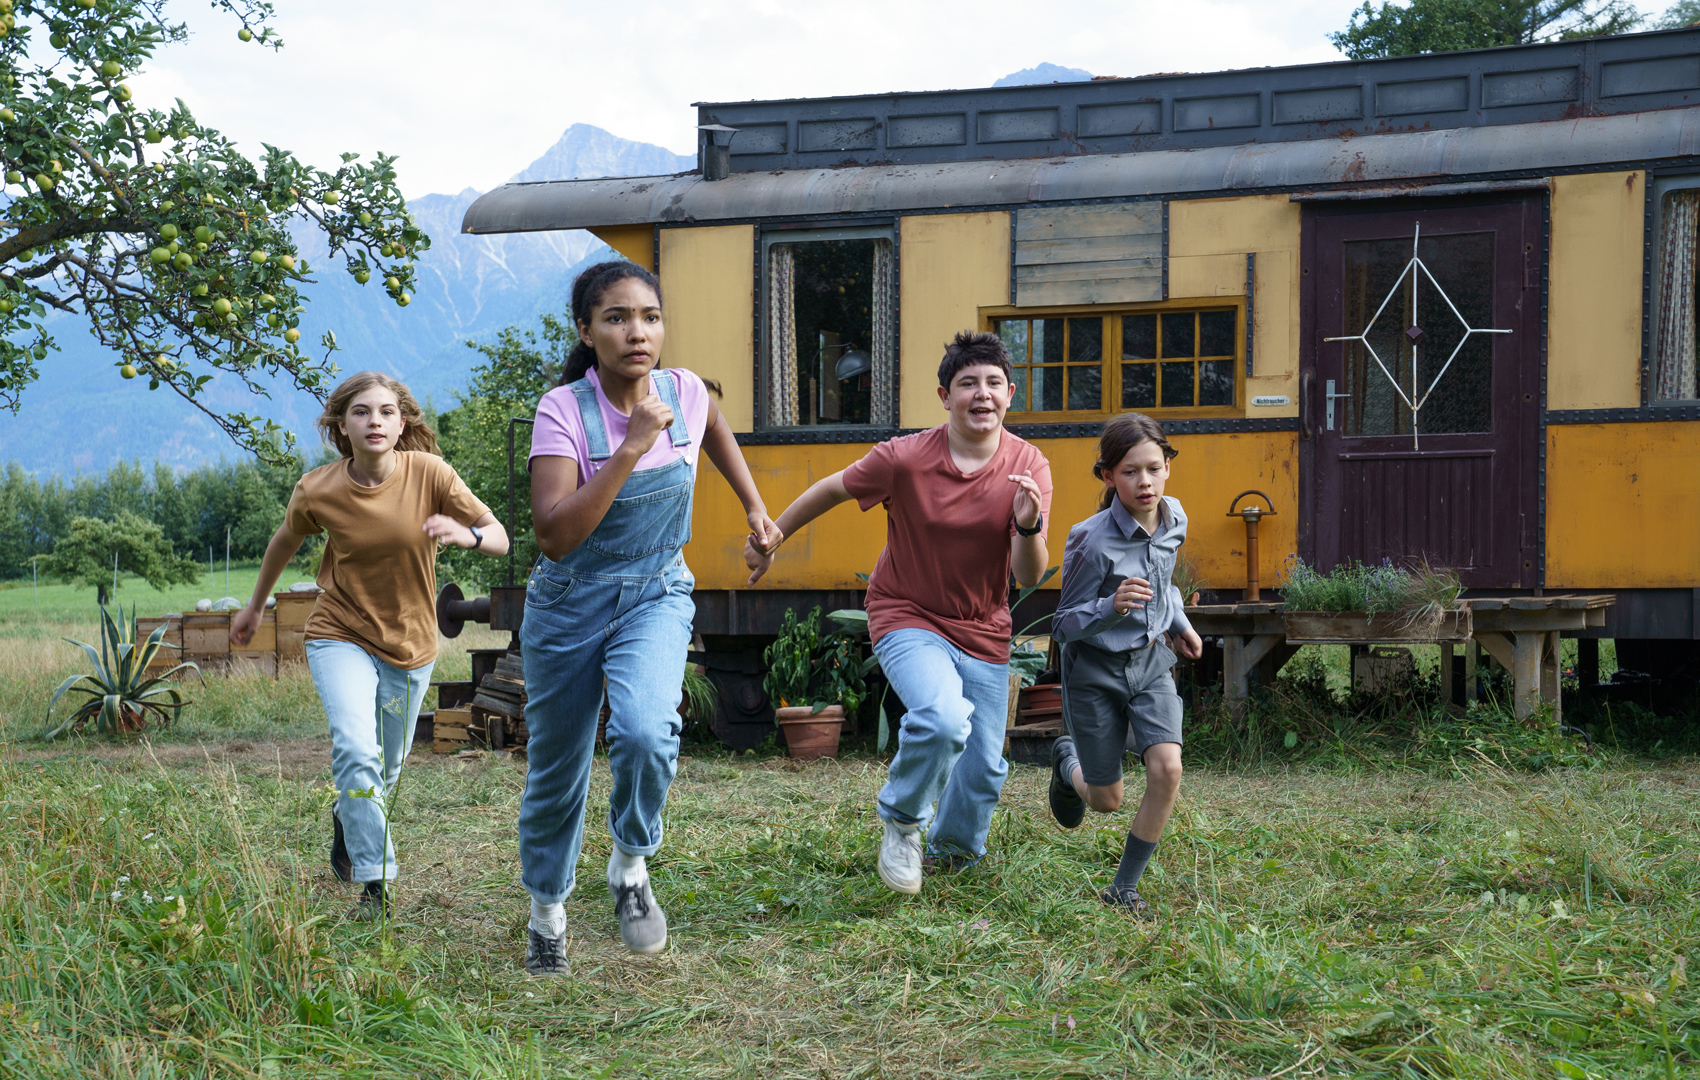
(974, 347)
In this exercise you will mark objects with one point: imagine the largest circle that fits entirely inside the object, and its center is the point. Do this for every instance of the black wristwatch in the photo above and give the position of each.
(477, 537)
(1034, 531)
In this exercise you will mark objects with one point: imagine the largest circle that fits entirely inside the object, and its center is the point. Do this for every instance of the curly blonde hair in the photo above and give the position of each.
(416, 435)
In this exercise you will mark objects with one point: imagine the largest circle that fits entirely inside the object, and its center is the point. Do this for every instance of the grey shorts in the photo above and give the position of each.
(1116, 702)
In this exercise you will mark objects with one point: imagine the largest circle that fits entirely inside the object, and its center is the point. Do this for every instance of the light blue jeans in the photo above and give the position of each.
(950, 748)
(372, 708)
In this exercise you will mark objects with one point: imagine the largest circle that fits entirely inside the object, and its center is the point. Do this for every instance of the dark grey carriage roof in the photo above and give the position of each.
(1415, 157)
(1524, 110)
(1476, 88)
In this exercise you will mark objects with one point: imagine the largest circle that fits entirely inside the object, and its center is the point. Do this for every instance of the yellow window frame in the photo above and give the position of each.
(1111, 363)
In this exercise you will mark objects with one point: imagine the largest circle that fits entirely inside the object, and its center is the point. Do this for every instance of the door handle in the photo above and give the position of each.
(1306, 382)
(1329, 397)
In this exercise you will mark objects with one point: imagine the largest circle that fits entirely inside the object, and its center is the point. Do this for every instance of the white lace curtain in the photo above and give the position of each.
(781, 337)
(883, 409)
(1677, 367)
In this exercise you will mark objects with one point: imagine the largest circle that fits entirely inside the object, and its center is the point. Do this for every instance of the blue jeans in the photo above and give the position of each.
(950, 749)
(372, 707)
(580, 628)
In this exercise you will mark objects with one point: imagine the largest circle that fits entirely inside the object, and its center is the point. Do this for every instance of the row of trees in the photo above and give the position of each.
(162, 526)
(1425, 26)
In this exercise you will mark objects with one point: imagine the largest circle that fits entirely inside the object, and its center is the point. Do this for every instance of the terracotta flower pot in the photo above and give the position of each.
(810, 734)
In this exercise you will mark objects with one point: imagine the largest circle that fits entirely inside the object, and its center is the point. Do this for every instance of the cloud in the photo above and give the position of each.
(469, 94)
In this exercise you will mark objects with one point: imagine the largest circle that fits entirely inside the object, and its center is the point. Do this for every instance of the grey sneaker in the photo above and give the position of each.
(546, 955)
(643, 925)
(900, 858)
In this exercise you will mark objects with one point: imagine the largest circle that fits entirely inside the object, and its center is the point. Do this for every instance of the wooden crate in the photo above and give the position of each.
(252, 663)
(291, 646)
(209, 663)
(206, 633)
(265, 636)
(1355, 627)
(451, 730)
(293, 609)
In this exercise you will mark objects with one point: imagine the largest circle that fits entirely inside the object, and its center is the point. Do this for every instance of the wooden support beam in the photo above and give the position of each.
(1447, 662)
(1472, 679)
(1526, 656)
(1240, 654)
(1552, 675)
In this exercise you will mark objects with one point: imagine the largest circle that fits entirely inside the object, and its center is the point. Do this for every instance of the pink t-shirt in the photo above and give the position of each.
(559, 431)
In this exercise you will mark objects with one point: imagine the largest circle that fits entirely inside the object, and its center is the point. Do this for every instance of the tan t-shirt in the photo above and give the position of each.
(379, 571)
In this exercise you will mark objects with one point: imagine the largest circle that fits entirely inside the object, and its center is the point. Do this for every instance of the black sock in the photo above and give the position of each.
(374, 889)
(1134, 857)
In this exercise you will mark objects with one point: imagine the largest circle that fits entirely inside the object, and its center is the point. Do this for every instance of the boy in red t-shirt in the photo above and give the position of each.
(966, 505)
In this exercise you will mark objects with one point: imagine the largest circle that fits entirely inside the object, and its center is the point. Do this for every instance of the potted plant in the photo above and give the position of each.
(816, 679)
(121, 694)
(1386, 603)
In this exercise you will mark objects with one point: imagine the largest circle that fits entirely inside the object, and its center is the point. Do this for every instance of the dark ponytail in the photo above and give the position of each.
(1121, 435)
(588, 289)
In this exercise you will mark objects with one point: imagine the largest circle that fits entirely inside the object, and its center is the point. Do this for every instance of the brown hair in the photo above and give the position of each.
(971, 347)
(416, 435)
(1121, 435)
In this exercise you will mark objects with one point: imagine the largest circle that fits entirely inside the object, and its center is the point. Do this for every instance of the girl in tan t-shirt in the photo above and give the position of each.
(372, 638)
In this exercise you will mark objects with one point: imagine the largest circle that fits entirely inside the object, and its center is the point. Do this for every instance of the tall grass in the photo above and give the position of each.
(1420, 594)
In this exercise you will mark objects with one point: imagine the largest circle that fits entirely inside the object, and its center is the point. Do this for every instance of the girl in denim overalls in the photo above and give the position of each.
(613, 463)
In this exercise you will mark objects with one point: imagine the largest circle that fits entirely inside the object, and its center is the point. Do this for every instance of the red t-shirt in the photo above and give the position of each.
(945, 566)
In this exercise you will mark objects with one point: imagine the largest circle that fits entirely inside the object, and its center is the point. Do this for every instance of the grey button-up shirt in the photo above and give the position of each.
(1106, 549)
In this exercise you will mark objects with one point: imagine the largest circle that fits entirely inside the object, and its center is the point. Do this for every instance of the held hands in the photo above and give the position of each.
(1187, 643)
(759, 546)
(650, 417)
(1131, 593)
(447, 530)
(1026, 500)
(244, 623)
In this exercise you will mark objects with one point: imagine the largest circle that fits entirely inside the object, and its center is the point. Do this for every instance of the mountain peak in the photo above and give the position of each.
(584, 150)
(1045, 73)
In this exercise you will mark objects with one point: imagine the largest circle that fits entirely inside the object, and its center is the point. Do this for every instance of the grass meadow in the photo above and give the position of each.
(1397, 894)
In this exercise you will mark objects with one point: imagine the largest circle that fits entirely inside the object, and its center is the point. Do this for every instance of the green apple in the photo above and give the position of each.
(112, 69)
(200, 290)
(203, 234)
(58, 41)
(245, 34)
(286, 261)
(403, 300)
(292, 335)
(257, 256)
(159, 255)
(13, 176)
(121, 92)
(8, 115)
(332, 197)
(363, 276)
(392, 283)
(221, 306)
(365, 217)
(44, 181)
(154, 135)
(168, 231)
(274, 320)
(128, 371)
(200, 247)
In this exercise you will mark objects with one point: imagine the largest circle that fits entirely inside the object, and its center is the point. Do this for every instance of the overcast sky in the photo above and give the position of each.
(469, 94)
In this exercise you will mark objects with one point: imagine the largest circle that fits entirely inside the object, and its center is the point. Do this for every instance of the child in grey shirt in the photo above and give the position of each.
(1117, 611)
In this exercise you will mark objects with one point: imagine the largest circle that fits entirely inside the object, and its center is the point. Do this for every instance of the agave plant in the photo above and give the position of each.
(121, 696)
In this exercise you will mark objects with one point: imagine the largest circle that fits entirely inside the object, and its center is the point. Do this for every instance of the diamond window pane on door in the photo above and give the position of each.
(1417, 335)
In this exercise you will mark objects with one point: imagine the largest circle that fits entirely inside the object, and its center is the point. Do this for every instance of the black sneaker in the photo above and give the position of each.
(1126, 898)
(1066, 804)
(341, 865)
(376, 902)
(643, 926)
(546, 955)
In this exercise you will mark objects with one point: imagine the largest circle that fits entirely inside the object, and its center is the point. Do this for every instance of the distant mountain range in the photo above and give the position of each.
(81, 417)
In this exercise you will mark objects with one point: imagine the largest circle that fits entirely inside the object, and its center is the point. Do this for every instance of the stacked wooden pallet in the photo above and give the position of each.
(494, 719)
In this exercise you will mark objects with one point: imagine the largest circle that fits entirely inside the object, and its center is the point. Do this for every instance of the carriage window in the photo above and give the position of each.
(829, 342)
(1105, 362)
(1675, 348)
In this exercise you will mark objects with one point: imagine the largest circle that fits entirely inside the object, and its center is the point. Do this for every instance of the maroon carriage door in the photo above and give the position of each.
(1425, 405)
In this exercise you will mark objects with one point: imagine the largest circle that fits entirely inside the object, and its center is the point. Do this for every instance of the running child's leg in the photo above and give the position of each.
(921, 667)
(971, 792)
(1154, 722)
(645, 666)
(563, 681)
(346, 677)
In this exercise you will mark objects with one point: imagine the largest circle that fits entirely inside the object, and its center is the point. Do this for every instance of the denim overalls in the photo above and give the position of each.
(619, 605)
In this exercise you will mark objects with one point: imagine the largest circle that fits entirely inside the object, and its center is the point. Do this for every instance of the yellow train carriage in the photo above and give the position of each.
(1434, 307)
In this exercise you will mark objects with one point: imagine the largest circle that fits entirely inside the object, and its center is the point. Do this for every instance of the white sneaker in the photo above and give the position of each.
(900, 858)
